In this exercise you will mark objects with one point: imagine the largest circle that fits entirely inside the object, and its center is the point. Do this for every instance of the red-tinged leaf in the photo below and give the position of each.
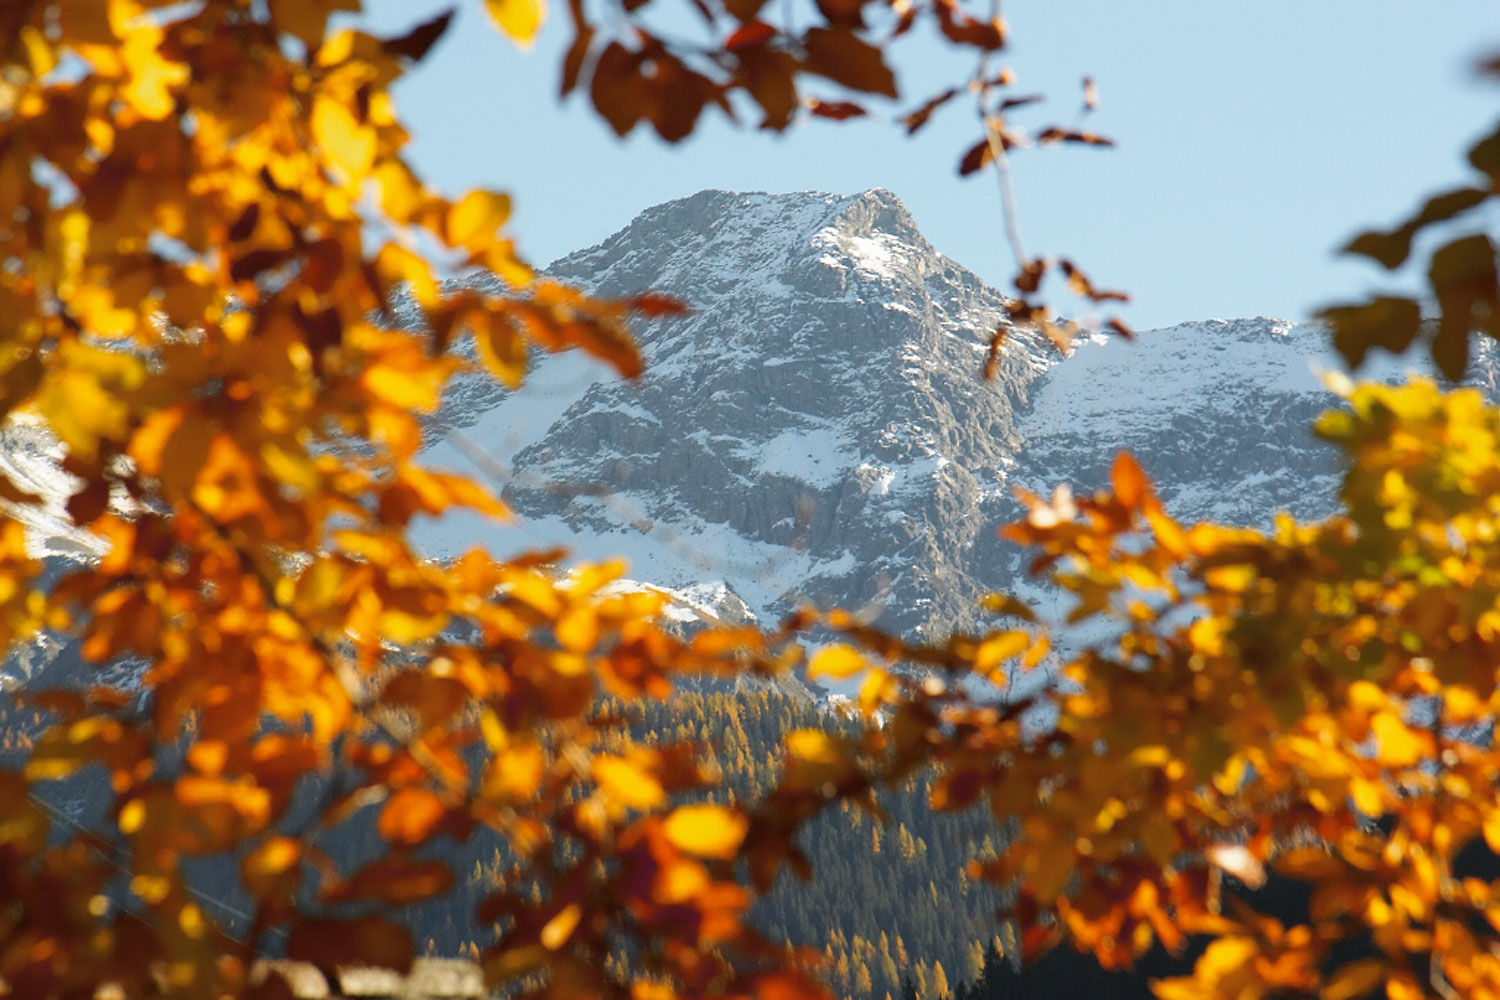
(1056, 134)
(751, 34)
(653, 305)
(836, 110)
(330, 944)
(393, 881)
(410, 816)
(1117, 326)
(415, 43)
(845, 58)
(916, 119)
(961, 28)
(974, 158)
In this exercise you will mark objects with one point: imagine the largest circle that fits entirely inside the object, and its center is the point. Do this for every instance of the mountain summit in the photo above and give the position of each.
(818, 428)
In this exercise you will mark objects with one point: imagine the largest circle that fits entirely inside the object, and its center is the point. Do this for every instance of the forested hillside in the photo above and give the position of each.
(889, 900)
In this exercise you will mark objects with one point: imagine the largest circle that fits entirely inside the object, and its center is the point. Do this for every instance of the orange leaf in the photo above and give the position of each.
(410, 816)
(1129, 482)
(394, 881)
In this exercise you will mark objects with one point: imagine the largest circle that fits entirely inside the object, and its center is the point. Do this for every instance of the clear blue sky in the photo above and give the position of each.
(1254, 138)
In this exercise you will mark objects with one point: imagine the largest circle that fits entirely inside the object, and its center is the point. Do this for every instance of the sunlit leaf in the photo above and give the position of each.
(708, 831)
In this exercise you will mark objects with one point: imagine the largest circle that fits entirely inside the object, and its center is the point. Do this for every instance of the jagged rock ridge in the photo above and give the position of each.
(818, 427)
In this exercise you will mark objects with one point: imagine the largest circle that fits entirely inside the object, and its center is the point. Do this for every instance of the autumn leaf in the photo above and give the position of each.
(519, 19)
(410, 816)
(837, 661)
(845, 58)
(707, 831)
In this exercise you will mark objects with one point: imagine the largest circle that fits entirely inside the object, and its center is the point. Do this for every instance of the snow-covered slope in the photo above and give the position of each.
(818, 427)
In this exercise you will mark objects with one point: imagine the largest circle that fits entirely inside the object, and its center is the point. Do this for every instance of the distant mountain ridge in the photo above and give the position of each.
(818, 427)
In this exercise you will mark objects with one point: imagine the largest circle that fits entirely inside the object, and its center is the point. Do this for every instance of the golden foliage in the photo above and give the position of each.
(189, 300)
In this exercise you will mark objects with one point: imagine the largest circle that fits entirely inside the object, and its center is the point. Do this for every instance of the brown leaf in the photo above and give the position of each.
(849, 60)
(394, 881)
(916, 119)
(1467, 287)
(836, 110)
(769, 77)
(577, 52)
(617, 88)
(974, 158)
(961, 28)
(1485, 156)
(1029, 278)
(653, 305)
(992, 356)
(1390, 322)
(434, 699)
(329, 944)
(842, 13)
(744, 10)
(415, 43)
(1056, 134)
(1011, 103)
(1390, 249)
(1090, 94)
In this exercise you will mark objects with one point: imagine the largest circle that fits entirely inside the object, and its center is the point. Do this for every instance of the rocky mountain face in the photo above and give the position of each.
(819, 429)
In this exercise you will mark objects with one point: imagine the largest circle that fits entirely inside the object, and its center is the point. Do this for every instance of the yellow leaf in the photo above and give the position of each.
(709, 831)
(1354, 980)
(1399, 746)
(350, 145)
(474, 219)
(41, 55)
(627, 782)
(837, 660)
(998, 648)
(557, 930)
(502, 349)
(520, 19)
